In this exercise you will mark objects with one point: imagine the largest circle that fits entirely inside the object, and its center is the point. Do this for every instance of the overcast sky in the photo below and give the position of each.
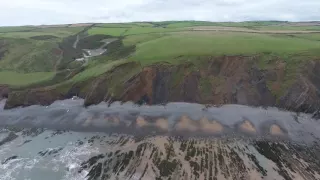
(27, 12)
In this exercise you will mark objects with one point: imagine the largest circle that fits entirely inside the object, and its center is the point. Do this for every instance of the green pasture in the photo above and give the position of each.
(96, 70)
(8, 29)
(26, 55)
(27, 60)
(107, 31)
(23, 79)
(187, 44)
(288, 28)
(140, 38)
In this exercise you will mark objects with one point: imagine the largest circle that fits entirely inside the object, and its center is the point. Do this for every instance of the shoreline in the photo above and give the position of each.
(174, 119)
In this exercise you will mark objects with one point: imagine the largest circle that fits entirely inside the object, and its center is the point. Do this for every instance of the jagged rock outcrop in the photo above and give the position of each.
(119, 156)
(170, 158)
(41, 96)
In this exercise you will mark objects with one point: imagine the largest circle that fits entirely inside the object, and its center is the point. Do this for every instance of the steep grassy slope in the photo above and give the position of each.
(27, 55)
(31, 55)
(159, 62)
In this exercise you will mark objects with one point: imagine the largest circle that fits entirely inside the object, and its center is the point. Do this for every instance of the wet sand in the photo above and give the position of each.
(184, 119)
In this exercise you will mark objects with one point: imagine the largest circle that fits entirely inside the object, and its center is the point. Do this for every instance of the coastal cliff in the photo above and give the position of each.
(212, 81)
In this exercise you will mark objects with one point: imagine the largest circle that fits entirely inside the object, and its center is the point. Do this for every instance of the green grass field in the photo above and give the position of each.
(26, 61)
(15, 29)
(130, 30)
(289, 28)
(116, 25)
(26, 55)
(107, 31)
(189, 24)
(142, 24)
(140, 38)
(146, 30)
(58, 32)
(177, 24)
(125, 25)
(171, 47)
(311, 37)
(36, 60)
(23, 79)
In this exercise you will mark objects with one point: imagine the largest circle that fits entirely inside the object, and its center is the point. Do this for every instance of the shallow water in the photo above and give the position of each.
(61, 155)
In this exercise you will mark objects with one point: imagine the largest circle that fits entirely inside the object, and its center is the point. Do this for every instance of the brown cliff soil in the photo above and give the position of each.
(4, 91)
(222, 80)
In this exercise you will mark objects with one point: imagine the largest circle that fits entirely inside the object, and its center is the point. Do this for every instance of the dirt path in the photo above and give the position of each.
(76, 42)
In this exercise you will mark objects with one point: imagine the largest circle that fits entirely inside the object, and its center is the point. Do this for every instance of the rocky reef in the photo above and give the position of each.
(119, 156)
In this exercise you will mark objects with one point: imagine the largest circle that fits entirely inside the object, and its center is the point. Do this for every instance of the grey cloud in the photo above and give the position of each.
(22, 12)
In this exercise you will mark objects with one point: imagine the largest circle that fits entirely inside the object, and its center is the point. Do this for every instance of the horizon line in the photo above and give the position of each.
(127, 22)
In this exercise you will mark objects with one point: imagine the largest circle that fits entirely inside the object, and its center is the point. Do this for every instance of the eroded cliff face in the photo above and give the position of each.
(223, 80)
(4, 91)
(304, 94)
(41, 96)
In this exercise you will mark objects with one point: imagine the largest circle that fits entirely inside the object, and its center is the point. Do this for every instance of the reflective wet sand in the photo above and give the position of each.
(183, 119)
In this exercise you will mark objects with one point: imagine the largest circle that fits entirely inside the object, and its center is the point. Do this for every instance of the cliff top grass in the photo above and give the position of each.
(13, 79)
(173, 46)
(29, 31)
(36, 52)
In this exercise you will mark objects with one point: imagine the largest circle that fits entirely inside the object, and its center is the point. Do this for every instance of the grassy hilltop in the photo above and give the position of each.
(44, 56)
(30, 54)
